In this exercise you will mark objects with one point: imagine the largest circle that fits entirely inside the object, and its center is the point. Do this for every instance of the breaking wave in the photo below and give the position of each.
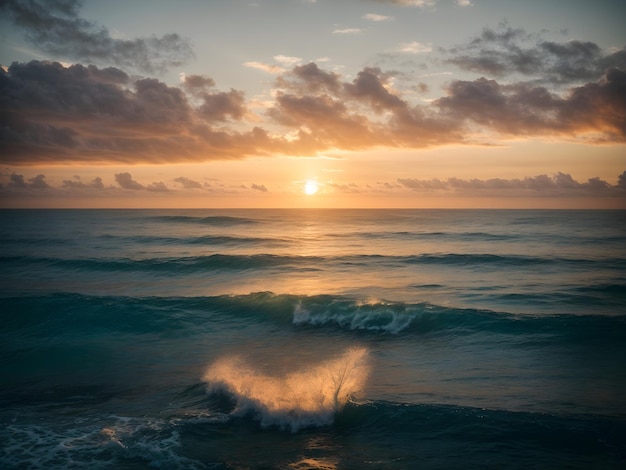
(301, 399)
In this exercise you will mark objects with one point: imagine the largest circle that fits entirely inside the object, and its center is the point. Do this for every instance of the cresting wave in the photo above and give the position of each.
(301, 399)
(69, 313)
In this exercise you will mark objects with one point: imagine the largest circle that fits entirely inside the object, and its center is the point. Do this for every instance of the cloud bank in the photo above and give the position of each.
(560, 185)
(52, 113)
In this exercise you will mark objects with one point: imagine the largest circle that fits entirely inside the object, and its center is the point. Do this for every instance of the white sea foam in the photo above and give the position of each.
(381, 318)
(106, 443)
(301, 399)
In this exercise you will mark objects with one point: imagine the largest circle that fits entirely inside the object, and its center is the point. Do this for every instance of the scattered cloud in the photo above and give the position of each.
(126, 181)
(376, 17)
(506, 50)
(464, 3)
(187, 183)
(53, 113)
(348, 31)
(269, 68)
(415, 47)
(76, 183)
(409, 3)
(557, 185)
(16, 181)
(56, 28)
(157, 187)
(288, 60)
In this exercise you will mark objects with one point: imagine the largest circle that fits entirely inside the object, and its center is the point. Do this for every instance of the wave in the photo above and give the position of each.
(263, 261)
(60, 314)
(392, 434)
(202, 240)
(217, 220)
(171, 265)
(308, 398)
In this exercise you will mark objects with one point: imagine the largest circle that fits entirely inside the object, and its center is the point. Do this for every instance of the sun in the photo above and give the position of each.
(311, 187)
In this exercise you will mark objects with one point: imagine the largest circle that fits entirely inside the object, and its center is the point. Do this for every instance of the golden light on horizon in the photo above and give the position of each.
(311, 187)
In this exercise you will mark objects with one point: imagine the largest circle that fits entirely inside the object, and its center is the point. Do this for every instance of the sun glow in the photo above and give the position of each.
(311, 187)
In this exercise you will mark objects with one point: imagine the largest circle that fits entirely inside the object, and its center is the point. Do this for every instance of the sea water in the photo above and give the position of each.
(382, 339)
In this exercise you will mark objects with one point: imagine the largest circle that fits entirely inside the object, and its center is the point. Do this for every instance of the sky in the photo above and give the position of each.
(313, 103)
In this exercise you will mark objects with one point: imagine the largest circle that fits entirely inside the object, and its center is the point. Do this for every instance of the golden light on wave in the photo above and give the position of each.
(311, 187)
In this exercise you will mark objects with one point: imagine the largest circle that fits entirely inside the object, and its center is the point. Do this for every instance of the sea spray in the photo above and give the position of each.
(300, 399)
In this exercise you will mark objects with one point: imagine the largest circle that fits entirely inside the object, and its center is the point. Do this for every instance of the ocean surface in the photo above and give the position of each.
(301, 339)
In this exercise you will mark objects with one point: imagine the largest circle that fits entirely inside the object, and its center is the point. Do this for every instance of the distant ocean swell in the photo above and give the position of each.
(261, 261)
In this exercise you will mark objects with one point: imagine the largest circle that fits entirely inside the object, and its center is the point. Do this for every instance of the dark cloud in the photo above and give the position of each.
(259, 187)
(218, 106)
(51, 113)
(188, 183)
(597, 109)
(506, 50)
(56, 28)
(408, 3)
(96, 183)
(311, 79)
(55, 114)
(17, 181)
(37, 182)
(369, 85)
(560, 185)
(197, 84)
(126, 181)
(157, 187)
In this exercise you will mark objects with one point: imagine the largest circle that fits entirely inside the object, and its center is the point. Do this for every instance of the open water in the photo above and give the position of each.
(297, 339)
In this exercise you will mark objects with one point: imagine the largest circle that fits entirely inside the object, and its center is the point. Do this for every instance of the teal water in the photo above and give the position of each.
(312, 339)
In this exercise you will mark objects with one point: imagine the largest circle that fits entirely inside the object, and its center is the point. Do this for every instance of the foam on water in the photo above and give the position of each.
(301, 399)
(375, 318)
(107, 442)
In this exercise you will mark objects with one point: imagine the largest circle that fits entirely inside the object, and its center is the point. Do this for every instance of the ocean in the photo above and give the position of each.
(302, 339)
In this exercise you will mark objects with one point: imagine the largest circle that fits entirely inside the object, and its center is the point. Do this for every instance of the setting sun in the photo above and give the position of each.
(311, 187)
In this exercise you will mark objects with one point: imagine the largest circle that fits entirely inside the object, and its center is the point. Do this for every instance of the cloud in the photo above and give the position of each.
(196, 84)
(506, 50)
(464, 3)
(376, 17)
(259, 187)
(409, 3)
(348, 31)
(126, 181)
(595, 109)
(77, 114)
(310, 79)
(52, 113)
(415, 47)
(288, 60)
(557, 185)
(264, 67)
(157, 187)
(188, 183)
(96, 183)
(17, 181)
(56, 28)
(218, 106)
